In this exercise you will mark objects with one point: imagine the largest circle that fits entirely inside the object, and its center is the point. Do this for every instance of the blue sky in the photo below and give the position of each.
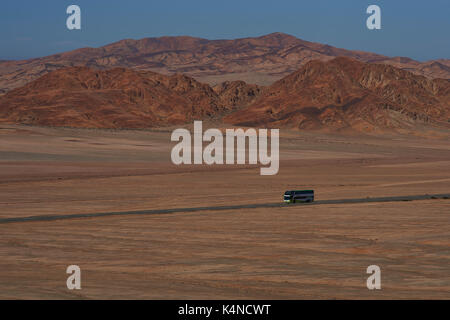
(414, 28)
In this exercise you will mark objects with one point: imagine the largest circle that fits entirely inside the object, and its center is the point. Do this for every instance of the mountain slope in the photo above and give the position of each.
(345, 93)
(114, 98)
(342, 93)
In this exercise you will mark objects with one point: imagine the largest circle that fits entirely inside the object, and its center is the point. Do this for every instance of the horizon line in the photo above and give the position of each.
(215, 39)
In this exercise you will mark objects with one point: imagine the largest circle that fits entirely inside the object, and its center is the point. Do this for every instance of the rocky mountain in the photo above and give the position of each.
(337, 94)
(346, 93)
(237, 93)
(261, 60)
(118, 98)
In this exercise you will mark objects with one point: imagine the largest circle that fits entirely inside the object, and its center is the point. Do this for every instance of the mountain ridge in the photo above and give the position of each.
(346, 93)
(342, 93)
(115, 98)
(260, 60)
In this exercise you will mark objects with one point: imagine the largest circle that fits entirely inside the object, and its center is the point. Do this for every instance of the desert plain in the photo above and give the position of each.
(291, 252)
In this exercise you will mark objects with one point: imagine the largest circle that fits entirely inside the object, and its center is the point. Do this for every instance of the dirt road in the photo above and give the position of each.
(219, 208)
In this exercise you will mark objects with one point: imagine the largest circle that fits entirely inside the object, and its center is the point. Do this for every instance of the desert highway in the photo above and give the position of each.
(215, 208)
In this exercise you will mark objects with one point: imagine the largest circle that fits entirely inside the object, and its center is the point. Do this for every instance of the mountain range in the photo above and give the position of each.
(307, 86)
(261, 60)
(119, 98)
(346, 93)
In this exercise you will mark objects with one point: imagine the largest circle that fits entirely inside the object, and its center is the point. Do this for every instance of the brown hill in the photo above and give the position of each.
(116, 98)
(345, 93)
(261, 60)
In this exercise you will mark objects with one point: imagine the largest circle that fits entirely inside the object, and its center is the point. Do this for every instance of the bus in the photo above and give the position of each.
(294, 196)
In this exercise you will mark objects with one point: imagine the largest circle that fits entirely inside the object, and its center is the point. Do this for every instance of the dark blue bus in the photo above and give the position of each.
(299, 196)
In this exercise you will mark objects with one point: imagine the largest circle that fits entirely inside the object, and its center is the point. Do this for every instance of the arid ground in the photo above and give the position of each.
(293, 252)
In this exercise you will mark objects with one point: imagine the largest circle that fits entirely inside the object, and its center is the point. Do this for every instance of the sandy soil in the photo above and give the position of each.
(302, 252)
